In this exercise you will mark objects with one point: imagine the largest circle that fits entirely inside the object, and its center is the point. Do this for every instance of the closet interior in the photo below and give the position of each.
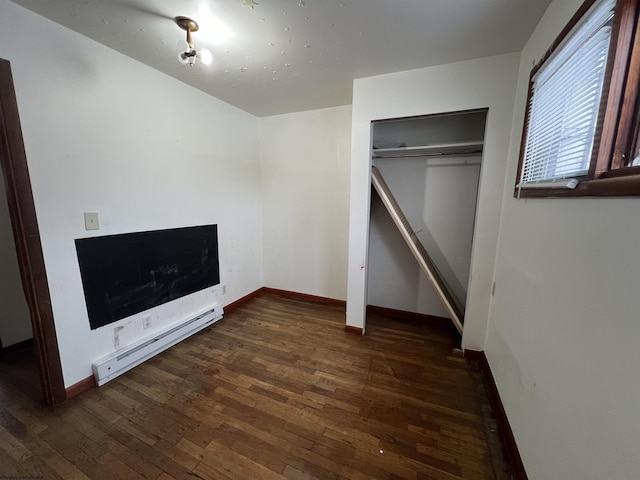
(425, 177)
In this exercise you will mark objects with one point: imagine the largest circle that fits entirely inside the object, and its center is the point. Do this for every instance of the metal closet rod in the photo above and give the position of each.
(456, 164)
(438, 150)
(461, 163)
(411, 155)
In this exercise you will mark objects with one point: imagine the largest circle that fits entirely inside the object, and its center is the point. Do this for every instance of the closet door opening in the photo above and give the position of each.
(28, 250)
(431, 167)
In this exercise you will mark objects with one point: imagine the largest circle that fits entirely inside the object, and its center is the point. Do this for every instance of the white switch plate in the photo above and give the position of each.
(91, 221)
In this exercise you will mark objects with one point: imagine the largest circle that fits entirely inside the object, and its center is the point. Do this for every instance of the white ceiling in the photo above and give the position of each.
(292, 55)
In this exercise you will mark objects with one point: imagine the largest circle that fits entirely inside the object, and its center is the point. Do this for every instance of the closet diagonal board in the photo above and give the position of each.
(417, 249)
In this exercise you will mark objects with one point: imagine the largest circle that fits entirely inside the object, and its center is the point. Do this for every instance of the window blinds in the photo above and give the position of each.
(565, 100)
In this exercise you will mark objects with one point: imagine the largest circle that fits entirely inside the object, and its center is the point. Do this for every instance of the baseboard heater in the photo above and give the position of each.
(117, 363)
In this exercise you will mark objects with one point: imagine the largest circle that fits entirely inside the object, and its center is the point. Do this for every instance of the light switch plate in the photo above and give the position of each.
(91, 221)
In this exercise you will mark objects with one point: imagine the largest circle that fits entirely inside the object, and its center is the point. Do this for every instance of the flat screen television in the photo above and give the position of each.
(129, 273)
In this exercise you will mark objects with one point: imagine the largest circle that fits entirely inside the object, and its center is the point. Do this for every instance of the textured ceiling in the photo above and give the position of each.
(279, 56)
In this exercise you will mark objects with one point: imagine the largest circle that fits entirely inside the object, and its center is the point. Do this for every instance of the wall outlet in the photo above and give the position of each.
(146, 322)
(91, 221)
(223, 287)
(116, 336)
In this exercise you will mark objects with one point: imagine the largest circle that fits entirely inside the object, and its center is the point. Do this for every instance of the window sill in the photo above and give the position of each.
(625, 186)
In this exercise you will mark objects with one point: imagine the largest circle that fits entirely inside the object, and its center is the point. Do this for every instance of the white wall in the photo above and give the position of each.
(439, 201)
(305, 161)
(105, 133)
(482, 83)
(449, 211)
(15, 321)
(563, 334)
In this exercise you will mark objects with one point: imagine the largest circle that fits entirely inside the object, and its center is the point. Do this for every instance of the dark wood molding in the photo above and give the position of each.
(627, 117)
(615, 81)
(622, 172)
(243, 300)
(13, 162)
(351, 330)
(80, 387)
(513, 455)
(411, 316)
(625, 186)
(305, 296)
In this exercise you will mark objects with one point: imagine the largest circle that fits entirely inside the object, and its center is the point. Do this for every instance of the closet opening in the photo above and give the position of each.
(425, 177)
(21, 223)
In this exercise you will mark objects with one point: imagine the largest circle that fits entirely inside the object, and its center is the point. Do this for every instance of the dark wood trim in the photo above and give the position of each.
(620, 186)
(626, 120)
(622, 38)
(351, 330)
(243, 300)
(411, 316)
(305, 296)
(513, 455)
(80, 387)
(13, 161)
(622, 172)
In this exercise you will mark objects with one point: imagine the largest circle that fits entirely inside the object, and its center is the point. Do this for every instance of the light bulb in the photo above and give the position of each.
(205, 56)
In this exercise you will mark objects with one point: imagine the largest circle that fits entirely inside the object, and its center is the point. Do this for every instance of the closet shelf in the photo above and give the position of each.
(441, 149)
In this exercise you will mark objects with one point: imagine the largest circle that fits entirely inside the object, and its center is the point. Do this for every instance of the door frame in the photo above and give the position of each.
(13, 162)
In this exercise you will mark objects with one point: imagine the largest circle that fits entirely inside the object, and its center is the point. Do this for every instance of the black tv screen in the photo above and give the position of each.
(127, 274)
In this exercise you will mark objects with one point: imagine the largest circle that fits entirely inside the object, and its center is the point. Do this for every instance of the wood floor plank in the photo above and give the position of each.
(13, 447)
(274, 390)
(292, 473)
(205, 472)
(8, 462)
(137, 463)
(26, 447)
(235, 465)
(160, 460)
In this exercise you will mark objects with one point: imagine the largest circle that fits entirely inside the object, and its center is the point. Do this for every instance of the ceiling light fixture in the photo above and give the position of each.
(190, 54)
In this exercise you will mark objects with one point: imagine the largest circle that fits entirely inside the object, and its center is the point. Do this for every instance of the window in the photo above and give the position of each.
(582, 127)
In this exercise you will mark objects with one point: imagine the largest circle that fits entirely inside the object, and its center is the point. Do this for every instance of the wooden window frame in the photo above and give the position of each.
(618, 127)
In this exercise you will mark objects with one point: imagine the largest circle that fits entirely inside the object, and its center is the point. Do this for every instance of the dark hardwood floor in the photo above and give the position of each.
(19, 369)
(274, 390)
